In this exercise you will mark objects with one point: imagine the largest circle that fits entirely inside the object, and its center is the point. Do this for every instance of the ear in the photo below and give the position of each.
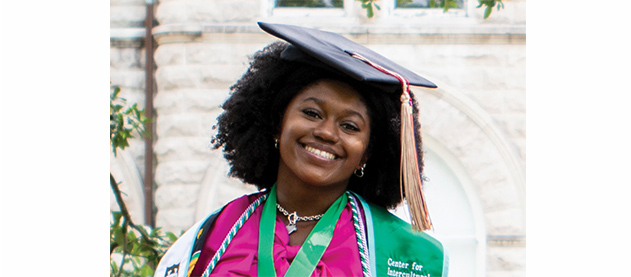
(364, 159)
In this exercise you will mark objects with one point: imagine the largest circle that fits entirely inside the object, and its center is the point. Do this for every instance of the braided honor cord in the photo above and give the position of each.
(360, 235)
(235, 228)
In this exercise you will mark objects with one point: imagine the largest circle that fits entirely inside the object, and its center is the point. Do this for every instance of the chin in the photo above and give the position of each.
(318, 181)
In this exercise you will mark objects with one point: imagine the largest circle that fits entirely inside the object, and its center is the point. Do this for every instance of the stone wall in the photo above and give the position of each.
(127, 71)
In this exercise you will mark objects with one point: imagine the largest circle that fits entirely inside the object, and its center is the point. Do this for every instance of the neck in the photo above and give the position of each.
(306, 200)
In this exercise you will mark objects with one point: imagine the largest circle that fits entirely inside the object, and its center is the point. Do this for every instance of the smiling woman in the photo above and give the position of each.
(323, 145)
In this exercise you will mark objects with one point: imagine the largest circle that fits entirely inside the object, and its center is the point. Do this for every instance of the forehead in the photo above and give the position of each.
(332, 92)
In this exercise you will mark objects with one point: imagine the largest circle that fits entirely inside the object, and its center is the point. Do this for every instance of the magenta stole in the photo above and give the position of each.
(341, 258)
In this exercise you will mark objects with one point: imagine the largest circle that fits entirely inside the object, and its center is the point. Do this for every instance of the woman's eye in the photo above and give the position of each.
(311, 113)
(350, 127)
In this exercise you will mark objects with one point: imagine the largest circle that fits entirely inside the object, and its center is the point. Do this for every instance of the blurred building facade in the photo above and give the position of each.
(474, 127)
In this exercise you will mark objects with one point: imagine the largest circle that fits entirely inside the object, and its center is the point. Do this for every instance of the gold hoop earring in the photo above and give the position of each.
(361, 171)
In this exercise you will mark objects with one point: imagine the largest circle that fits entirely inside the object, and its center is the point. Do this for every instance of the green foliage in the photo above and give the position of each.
(444, 4)
(124, 121)
(135, 250)
(489, 6)
(368, 5)
(138, 247)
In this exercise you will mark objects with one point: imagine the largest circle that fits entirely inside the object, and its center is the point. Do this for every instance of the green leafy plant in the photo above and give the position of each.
(124, 121)
(489, 6)
(444, 4)
(139, 247)
(368, 5)
(136, 245)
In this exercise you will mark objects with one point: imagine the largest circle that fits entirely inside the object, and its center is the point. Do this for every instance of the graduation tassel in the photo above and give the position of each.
(410, 177)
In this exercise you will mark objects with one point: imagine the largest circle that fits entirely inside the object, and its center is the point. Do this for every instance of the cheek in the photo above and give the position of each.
(291, 133)
(359, 148)
(289, 130)
(285, 124)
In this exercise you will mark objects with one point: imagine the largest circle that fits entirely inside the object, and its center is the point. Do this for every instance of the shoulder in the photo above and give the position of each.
(225, 216)
(185, 251)
(241, 203)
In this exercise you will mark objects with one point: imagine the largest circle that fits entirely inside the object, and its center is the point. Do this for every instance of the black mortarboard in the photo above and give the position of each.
(333, 51)
(315, 46)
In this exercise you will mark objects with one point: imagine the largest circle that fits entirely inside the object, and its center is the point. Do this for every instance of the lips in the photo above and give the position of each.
(320, 153)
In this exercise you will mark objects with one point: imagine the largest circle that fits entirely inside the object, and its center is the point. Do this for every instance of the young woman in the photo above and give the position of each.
(325, 150)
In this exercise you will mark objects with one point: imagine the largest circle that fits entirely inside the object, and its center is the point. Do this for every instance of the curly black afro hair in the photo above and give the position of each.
(254, 112)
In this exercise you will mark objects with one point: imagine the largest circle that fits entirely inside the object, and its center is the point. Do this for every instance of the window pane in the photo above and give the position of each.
(421, 4)
(311, 3)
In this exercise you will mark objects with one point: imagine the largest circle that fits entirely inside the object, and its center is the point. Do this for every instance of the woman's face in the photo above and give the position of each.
(324, 136)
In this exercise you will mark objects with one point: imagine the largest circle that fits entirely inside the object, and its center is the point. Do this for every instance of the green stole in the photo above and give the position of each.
(398, 250)
(311, 250)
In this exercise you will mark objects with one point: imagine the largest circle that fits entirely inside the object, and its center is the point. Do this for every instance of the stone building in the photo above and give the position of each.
(474, 127)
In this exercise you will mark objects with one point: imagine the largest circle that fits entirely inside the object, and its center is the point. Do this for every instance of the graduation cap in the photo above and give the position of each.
(339, 54)
(318, 47)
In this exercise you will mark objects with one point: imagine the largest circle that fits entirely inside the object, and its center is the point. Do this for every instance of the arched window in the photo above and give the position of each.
(455, 210)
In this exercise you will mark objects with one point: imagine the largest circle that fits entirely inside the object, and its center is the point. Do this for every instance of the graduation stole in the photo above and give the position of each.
(311, 250)
(399, 251)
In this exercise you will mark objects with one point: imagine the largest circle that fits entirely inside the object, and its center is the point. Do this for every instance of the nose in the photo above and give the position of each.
(326, 131)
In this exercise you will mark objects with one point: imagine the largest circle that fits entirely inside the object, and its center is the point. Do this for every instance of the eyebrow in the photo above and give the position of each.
(319, 101)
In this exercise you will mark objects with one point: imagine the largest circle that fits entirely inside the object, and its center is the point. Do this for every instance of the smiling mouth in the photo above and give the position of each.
(320, 153)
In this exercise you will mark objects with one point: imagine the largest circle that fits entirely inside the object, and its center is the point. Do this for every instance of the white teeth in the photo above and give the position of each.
(320, 153)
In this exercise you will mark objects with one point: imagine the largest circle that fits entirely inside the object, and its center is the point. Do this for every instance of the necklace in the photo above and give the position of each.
(293, 218)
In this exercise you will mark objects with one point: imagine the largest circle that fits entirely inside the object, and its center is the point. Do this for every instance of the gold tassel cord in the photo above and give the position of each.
(410, 177)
